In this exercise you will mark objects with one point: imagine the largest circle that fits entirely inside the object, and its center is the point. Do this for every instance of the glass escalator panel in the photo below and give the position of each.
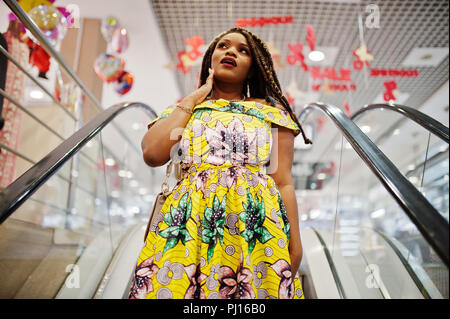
(60, 241)
(350, 210)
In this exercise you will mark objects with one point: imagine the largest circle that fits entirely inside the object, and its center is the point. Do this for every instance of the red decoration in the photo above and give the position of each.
(310, 37)
(262, 21)
(320, 123)
(186, 59)
(362, 57)
(336, 87)
(390, 87)
(180, 66)
(347, 109)
(38, 57)
(394, 72)
(290, 99)
(195, 42)
(296, 55)
(326, 73)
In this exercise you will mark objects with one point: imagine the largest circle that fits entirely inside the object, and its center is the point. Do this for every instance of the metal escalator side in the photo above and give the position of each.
(432, 226)
(59, 234)
(376, 272)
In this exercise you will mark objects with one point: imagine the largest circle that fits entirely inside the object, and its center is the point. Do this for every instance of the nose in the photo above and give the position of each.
(231, 51)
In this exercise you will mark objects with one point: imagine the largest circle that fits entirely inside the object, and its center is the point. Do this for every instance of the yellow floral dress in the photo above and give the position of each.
(223, 232)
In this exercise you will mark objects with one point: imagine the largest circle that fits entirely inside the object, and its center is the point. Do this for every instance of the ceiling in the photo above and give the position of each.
(411, 35)
(403, 26)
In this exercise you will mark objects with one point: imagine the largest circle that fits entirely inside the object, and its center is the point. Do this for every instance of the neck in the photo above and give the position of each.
(227, 91)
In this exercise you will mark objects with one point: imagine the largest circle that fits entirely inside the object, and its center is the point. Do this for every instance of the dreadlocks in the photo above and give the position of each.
(263, 83)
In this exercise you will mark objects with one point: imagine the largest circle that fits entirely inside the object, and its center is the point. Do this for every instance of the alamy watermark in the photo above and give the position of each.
(373, 17)
(73, 279)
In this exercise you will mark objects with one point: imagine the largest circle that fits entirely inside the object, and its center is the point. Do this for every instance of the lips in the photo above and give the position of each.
(229, 61)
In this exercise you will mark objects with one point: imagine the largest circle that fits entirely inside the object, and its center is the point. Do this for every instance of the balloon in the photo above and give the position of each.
(124, 83)
(109, 25)
(109, 67)
(50, 22)
(119, 40)
(27, 5)
(67, 19)
(46, 17)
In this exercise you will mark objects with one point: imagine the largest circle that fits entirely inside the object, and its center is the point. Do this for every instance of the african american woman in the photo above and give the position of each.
(229, 229)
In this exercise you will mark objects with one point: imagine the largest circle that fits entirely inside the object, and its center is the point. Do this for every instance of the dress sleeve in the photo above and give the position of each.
(164, 114)
(282, 118)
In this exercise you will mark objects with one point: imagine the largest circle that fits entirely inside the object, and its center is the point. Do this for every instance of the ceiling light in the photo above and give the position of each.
(36, 94)
(365, 129)
(110, 162)
(115, 194)
(134, 183)
(136, 126)
(378, 213)
(411, 167)
(122, 173)
(321, 176)
(396, 132)
(316, 56)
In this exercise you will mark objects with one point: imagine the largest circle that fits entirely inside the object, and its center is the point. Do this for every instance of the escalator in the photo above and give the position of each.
(89, 251)
(360, 231)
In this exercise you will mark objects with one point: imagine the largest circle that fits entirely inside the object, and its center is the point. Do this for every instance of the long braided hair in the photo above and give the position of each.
(264, 81)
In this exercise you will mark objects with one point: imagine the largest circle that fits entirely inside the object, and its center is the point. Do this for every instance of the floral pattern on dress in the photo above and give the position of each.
(223, 232)
(230, 142)
(213, 224)
(176, 219)
(142, 281)
(253, 216)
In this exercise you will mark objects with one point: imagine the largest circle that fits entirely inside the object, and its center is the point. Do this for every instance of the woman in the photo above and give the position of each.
(230, 227)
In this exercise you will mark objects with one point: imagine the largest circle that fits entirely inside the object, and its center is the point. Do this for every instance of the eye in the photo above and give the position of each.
(221, 45)
(245, 50)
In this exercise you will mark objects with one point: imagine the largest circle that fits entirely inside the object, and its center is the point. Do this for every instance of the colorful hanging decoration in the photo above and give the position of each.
(362, 57)
(119, 40)
(310, 37)
(38, 57)
(50, 22)
(108, 27)
(329, 87)
(195, 42)
(181, 62)
(319, 73)
(391, 92)
(394, 73)
(188, 58)
(347, 109)
(297, 55)
(124, 83)
(27, 5)
(109, 67)
(262, 21)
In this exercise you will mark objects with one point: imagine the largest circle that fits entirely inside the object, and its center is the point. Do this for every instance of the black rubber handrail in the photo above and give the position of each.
(433, 227)
(427, 122)
(23, 187)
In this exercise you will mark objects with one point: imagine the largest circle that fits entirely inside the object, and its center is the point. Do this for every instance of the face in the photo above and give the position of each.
(231, 59)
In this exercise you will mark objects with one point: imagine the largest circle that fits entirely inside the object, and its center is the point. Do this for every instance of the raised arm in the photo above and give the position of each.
(160, 138)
